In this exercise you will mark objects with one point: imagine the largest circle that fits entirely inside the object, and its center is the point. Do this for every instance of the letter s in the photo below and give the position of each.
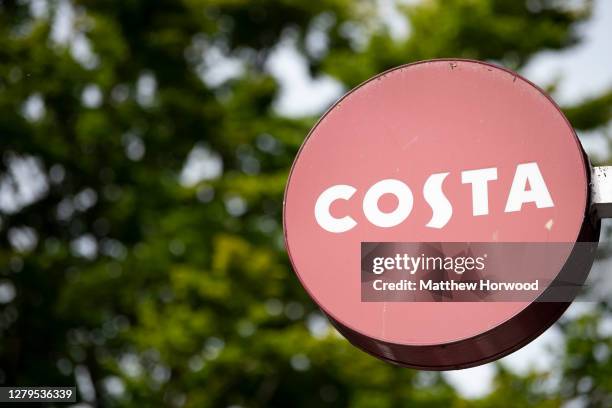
(324, 217)
(441, 207)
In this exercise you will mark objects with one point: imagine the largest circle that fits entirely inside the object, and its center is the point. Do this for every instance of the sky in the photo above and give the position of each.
(584, 71)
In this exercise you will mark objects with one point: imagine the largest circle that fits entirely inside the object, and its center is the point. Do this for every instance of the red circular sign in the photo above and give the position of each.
(437, 151)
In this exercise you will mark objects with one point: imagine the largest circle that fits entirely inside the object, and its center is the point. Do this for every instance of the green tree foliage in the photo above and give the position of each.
(141, 235)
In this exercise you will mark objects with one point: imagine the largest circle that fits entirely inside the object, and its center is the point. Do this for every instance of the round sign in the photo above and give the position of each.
(439, 171)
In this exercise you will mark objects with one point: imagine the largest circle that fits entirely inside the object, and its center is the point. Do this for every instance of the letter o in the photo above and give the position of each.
(395, 217)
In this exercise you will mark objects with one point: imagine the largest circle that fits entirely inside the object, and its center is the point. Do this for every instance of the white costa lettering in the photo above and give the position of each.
(479, 179)
(442, 210)
(538, 192)
(528, 186)
(395, 217)
(323, 215)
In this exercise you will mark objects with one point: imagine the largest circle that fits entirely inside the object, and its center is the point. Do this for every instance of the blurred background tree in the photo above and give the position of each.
(142, 173)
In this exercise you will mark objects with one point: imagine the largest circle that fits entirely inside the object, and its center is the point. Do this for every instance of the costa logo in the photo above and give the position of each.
(443, 214)
(528, 186)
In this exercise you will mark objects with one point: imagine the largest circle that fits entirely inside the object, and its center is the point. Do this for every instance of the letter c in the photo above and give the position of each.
(324, 217)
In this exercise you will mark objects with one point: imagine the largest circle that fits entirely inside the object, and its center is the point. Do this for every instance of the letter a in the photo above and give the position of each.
(519, 195)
